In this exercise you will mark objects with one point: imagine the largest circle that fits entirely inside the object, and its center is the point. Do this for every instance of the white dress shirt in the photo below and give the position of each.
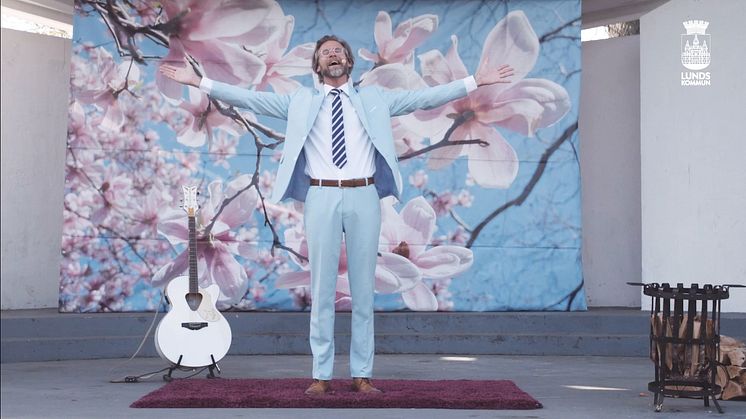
(318, 146)
(358, 146)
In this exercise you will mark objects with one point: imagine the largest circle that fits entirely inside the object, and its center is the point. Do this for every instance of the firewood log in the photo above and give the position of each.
(722, 377)
(727, 341)
(732, 391)
(731, 374)
(734, 372)
(735, 356)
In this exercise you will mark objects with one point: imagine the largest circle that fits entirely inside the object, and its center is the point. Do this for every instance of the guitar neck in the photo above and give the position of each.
(193, 284)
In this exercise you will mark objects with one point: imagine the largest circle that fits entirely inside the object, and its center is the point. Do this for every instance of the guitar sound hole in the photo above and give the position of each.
(194, 299)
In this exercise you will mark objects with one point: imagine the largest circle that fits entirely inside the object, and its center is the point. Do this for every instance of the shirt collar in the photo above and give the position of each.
(345, 88)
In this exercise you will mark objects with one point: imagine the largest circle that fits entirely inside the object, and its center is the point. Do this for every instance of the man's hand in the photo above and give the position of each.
(184, 75)
(502, 75)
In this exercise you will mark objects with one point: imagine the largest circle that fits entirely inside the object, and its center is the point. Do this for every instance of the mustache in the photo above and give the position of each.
(342, 61)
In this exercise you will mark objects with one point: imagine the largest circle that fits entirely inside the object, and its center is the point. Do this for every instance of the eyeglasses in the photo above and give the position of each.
(327, 51)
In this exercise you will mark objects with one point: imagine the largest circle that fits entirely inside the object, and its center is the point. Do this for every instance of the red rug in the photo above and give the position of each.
(288, 393)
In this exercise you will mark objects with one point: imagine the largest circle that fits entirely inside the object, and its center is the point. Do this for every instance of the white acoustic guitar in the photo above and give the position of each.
(193, 333)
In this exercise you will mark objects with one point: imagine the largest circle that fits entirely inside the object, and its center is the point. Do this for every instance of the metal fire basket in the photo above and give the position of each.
(685, 340)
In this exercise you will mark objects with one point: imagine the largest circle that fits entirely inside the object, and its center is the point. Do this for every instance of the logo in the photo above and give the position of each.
(695, 45)
(695, 53)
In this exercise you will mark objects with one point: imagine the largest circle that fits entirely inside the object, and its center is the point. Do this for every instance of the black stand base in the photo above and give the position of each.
(210, 374)
(707, 393)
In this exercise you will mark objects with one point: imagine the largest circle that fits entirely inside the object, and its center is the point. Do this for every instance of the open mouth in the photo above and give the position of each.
(334, 62)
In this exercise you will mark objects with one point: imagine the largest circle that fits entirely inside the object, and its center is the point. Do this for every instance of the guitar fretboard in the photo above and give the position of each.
(193, 285)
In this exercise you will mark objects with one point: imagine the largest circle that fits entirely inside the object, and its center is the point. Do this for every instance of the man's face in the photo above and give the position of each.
(332, 60)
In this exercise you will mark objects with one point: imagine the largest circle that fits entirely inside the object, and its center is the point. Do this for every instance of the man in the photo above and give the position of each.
(339, 158)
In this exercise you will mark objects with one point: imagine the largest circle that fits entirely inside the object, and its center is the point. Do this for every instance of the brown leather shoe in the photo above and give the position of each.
(363, 385)
(318, 387)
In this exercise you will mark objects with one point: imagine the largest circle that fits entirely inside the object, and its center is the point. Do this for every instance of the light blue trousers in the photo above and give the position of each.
(331, 212)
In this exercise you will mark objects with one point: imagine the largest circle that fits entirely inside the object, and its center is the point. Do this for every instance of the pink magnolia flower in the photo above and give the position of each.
(222, 148)
(524, 105)
(145, 215)
(79, 131)
(285, 214)
(280, 68)
(405, 237)
(443, 202)
(201, 120)
(103, 86)
(398, 47)
(218, 34)
(116, 192)
(216, 252)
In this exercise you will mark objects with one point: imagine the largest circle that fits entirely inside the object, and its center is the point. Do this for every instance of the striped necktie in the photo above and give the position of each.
(339, 154)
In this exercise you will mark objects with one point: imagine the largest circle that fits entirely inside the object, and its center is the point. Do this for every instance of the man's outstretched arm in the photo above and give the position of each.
(183, 74)
(263, 103)
(404, 102)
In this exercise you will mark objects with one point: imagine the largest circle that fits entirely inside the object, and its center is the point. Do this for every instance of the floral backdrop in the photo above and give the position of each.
(490, 214)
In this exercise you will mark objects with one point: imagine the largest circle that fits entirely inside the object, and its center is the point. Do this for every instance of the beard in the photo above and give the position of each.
(335, 72)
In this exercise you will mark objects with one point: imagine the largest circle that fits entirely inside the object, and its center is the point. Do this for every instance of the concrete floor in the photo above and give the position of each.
(568, 387)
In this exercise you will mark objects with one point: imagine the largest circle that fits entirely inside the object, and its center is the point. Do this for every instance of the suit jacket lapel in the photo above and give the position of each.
(314, 108)
(359, 108)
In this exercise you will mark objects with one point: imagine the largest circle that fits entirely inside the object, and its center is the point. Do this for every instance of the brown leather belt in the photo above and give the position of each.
(347, 183)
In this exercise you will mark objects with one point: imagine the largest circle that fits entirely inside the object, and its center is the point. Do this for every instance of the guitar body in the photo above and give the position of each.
(192, 338)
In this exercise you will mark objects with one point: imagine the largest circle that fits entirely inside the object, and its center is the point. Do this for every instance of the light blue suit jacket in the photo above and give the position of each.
(375, 107)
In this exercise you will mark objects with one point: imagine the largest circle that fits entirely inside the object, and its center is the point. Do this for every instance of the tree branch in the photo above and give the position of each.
(552, 34)
(517, 201)
(445, 142)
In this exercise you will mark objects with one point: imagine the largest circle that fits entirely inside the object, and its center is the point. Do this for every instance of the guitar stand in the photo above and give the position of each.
(214, 366)
(211, 374)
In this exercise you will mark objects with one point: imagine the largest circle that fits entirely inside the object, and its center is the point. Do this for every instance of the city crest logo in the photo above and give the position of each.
(695, 53)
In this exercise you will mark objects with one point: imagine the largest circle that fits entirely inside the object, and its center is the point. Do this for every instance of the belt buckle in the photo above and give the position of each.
(339, 183)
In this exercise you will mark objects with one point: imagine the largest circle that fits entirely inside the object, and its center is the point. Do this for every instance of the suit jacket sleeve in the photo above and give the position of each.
(262, 103)
(402, 102)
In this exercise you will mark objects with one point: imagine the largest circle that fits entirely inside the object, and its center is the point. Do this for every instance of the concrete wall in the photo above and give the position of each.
(610, 170)
(35, 80)
(694, 151)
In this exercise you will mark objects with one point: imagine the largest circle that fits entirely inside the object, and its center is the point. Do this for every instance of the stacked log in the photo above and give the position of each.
(731, 376)
(683, 361)
(690, 362)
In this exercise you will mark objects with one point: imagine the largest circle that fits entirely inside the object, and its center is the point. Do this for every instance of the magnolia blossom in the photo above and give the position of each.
(115, 193)
(103, 86)
(222, 148)
(218, 34)
(280, 68)
(216, 252)
(146, 214)
(523, 105)
(78, 131)
(405, 237)
(398, 47)
(202, 119)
